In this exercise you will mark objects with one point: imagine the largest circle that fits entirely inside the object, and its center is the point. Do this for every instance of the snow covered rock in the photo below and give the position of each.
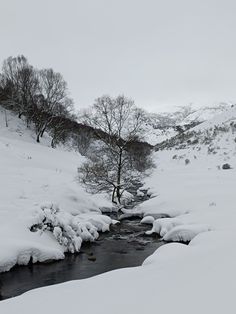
(184, 233)
(140, 193)
(147, 220)
(163, 225)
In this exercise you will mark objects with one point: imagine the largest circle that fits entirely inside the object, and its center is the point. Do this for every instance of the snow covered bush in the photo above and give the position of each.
(126, 198)
(68, 230)
(140, 193)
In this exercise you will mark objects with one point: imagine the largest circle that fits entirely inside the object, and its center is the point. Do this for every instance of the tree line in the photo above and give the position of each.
(109, 135)
(39, 96)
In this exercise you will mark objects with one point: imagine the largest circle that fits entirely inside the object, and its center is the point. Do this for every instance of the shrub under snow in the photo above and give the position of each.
(70, 231)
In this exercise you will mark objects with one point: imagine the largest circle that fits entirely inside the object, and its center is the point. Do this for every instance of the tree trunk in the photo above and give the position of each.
(118, 194)
(43, 130)
(118, 188)
(38, 135)
(113, 195)
(53, 143)
(6, 121)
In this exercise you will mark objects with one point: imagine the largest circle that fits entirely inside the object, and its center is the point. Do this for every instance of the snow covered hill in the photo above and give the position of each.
(163, 126)
(204, 113)
(193, 200)
(35, 177)
(219, 129)
(194, 180)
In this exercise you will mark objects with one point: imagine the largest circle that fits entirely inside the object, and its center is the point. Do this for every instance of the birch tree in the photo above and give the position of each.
(117, 123)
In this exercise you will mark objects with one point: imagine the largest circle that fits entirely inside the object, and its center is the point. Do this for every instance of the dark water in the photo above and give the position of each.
(124, 246)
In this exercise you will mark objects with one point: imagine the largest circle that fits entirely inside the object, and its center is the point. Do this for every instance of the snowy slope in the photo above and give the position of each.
(205, 113)
(227, 117)
(32, 175)
(155, 136)
(163, 126)
(193, 175)
(220, 129)
(199, 198)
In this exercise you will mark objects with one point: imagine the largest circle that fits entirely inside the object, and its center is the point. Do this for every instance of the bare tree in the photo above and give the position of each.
(40, 96)
(118, 123)
(20, 80)
(52, 98)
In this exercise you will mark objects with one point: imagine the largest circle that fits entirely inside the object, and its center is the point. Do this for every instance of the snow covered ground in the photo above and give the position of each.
(32, 175)
(198, 197)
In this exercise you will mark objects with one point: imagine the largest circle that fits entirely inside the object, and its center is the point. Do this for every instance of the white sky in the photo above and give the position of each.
(159, 52)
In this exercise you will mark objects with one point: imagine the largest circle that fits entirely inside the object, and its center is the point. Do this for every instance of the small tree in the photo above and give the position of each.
(117, 123)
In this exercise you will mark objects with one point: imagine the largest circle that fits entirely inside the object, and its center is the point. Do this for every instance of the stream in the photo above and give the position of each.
(126, 245)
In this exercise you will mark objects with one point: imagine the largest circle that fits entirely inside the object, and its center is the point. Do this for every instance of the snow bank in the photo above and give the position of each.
(162, 226)
(198, 278)
(33, 176)
(184, 233)
(147, 220)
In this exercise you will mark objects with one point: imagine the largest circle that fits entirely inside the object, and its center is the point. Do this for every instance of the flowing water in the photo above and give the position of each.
(126, 245)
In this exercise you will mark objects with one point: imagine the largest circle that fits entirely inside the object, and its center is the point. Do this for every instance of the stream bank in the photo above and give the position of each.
(126, 245)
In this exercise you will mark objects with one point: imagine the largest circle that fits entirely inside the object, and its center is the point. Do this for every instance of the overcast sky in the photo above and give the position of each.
(161, 53)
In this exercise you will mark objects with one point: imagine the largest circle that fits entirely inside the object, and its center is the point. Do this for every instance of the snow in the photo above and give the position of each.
(205, 113)
(139, 193)
(175, 279)
(154, 136)
(228, 115)
(147, 220)
(184, 233)
(194, 202)
(34, 177)
(197, 197)
(126, 197)
(162, 126)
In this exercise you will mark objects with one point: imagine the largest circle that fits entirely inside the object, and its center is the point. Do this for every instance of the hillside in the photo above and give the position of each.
(164, 126)
(192, 202)
(220, 128)
(34, 179)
